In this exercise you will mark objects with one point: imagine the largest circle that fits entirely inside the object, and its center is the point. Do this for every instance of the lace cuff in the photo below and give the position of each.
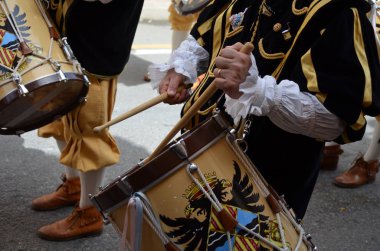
(257, 99)
(184, 60)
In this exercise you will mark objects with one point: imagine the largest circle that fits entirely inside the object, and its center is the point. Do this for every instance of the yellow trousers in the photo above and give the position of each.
(86, 150)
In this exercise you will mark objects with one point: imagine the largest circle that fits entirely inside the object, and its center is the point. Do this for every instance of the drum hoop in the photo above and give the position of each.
(141, 178)
(36, 84)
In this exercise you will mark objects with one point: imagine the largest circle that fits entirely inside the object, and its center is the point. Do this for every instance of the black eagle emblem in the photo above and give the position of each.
(195, 231)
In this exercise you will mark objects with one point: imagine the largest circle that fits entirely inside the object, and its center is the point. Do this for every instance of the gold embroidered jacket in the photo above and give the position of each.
(327, 47)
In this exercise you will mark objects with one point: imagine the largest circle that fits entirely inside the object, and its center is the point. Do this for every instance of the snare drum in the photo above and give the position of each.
(200, 193)
(40, 80)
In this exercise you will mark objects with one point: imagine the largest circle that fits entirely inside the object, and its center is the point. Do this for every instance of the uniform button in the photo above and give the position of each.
(277, 27)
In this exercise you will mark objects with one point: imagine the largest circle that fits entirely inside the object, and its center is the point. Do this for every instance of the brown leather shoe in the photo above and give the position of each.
(82, 222)
(360, 173)
(331, 157)
(67, 194)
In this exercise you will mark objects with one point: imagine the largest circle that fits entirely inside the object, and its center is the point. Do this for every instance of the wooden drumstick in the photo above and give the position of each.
(152, 102)
(142, 107)
(206, 95)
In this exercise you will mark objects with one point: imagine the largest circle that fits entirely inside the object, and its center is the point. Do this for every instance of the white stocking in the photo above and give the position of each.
(90, 182)
(178, 37)
(373, 151)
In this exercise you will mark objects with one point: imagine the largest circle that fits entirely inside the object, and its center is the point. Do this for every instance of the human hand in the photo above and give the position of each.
(172, 84)
(231, 69)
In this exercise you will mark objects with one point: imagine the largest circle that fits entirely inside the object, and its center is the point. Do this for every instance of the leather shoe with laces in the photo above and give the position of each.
(82, 222)
(360, 173)
(67, 194)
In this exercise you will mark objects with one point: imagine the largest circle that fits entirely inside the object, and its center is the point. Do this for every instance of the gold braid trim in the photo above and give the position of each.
(266, 55)
(298, 12)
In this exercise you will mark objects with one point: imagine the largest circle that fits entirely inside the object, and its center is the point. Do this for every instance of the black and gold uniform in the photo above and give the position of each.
(327, 47)
(100, 35)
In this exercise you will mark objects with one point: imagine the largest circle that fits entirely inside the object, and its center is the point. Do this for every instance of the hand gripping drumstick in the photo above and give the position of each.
(206, 95)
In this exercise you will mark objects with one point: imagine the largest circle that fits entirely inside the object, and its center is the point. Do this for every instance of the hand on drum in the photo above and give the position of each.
(231, 69)
(172, 84)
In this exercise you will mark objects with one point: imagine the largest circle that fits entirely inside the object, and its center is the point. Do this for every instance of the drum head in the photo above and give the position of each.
(46, 101)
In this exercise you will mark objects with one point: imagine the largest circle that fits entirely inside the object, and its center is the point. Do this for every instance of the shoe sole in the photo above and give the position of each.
(342, 185)
(50, 238)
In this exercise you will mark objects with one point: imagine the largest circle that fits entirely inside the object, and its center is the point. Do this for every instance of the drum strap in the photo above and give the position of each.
(138, 207)
(133, 219)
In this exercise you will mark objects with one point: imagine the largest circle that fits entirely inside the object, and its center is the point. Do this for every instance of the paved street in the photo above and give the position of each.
(338, 219)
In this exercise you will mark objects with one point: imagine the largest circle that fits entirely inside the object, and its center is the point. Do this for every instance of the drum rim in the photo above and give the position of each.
(36, 84)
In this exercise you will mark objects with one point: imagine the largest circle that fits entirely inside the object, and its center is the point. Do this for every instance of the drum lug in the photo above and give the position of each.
(124, 186)
(20, 87)
(308, 238)
(86, 80)
(67, 49)
(219, 119)
(96, 204)
(61, 76)
(180, 149)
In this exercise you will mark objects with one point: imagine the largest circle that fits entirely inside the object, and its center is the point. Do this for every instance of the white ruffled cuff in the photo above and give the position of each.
(184, 60)
(257, 99)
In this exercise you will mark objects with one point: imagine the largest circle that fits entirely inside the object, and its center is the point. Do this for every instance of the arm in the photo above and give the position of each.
(285, 105)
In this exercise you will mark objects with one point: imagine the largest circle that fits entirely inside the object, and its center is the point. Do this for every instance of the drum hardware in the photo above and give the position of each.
(124, 188)
(67, 49)
(308, 238)
(21, 88)
(57, 67)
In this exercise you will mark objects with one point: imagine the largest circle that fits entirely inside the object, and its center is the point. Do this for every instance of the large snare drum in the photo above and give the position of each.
(200, 193)
(40, 80)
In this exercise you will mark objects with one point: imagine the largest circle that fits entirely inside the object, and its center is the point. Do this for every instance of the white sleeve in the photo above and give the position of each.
(286, 106)
(184, 60)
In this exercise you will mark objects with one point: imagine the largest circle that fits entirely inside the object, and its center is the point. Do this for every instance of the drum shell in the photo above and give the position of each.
(39, 78)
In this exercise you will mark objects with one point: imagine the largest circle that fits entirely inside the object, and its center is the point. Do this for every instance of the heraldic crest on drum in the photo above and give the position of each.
(200, 229)
(9, 44)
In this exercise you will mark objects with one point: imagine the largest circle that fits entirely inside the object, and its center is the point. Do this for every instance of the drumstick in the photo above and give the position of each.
(152, 102)
(206, 95)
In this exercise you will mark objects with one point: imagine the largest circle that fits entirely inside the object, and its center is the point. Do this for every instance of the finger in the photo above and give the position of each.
(173, 86)
(218, 73)
(228, 52)
(223, 63)
(237, 46)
